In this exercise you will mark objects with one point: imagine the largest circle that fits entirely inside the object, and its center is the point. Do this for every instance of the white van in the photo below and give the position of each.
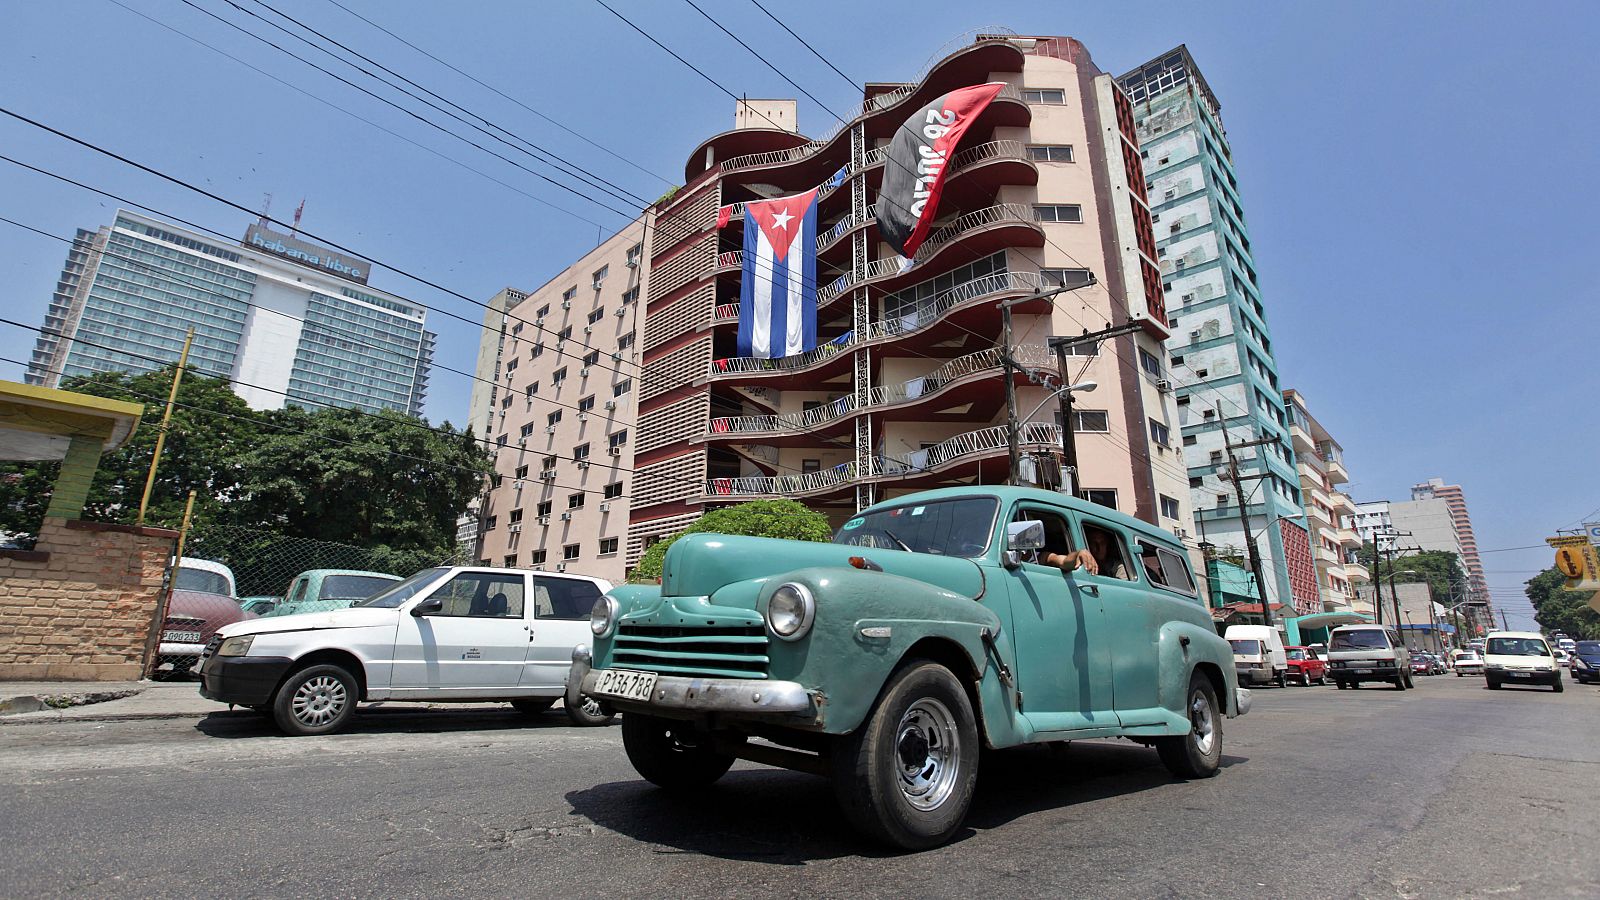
(448, 634)
(1358, 653)
(1258, 656)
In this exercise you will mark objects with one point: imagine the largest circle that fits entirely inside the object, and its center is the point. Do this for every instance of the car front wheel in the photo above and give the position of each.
(1197, 754)
(316, 700)
(671, 754)
(906, 775)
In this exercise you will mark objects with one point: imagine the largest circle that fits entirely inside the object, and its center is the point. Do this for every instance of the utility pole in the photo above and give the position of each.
(1009, 365)
(1069, 430)
(1244, 514)
(166, 417)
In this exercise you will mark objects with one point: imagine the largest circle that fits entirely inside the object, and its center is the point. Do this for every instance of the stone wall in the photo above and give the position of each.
(80, 605)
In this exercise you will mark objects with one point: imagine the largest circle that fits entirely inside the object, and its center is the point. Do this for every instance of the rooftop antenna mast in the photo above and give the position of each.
(266, 210)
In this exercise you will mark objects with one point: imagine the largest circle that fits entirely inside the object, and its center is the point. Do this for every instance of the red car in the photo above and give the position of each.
(1306, 666)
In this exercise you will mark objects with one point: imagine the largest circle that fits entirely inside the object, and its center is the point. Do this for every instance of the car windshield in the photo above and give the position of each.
(1587, 647)
(1466, 655)
(200, 580)
(1510, 646)
(1364, 639)
(1242, 646)
(353, 587)
(1297, 654)
(405, 590)
(957, 527)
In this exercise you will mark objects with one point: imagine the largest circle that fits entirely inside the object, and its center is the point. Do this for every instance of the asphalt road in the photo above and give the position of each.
(1449, 790)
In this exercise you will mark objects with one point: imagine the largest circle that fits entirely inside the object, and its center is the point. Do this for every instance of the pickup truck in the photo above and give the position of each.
(933, 626)
(447, 634)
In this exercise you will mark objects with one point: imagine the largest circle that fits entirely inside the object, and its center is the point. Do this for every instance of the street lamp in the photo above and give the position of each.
(1069, 440)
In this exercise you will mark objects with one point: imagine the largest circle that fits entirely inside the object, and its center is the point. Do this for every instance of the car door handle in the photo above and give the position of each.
(1091, 590)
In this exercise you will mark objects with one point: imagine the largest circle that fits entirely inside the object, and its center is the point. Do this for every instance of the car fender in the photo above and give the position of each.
(849, 656)
(372, 647)
(1184, 646)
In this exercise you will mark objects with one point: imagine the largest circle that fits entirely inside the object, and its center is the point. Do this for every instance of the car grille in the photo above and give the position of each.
(711, 652)
(211, 647)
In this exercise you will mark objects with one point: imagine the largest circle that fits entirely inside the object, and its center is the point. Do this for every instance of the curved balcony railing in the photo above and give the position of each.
(738, 364)
(930, 312)
(936, 242)
(977, 443)
(986, 152)
(786, 485)
(733, 259)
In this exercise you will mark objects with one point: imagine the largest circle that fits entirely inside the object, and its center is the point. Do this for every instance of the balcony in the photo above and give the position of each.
(1349, 539)
(1304, 445)
(955, 457)
(1356, 572)
(978, 233)
(1337, 473)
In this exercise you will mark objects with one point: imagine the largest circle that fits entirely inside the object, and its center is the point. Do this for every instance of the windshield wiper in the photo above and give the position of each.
(890, 535)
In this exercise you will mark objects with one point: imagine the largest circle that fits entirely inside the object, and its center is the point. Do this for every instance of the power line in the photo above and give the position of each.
(854, 84)
(764, 61)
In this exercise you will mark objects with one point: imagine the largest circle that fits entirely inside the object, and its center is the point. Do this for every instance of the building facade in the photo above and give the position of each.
(1335, 544)
(1220, 350)
(906, 388)
(286, 321)
(558, 397)
(1461, 522)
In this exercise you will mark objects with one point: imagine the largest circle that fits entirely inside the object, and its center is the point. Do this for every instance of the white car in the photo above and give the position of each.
(449, 634)
(1468, 662)
(1520, 657)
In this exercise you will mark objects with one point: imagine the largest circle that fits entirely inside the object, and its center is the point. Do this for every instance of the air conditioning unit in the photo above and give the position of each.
(588, 329)
(583, 372)
(583, 464)
(611, 404)
(561, 567)
(539, 322)
(1164, 386)
(615, 451)
(548, 474)
(597, 285)
(544, 520)
(518, 484)
(522, 442)
(514, 527)
(566, 517)
(621, 311)
(616, 354)
(632, 263)
(549, 429)
(566, 304)
(605, 507)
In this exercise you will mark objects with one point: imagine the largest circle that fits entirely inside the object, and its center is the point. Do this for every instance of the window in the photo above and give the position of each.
(631, 295)
(622, 387)
(955, 527)
(531, 390)
(488, 524)
(1222, 499)
(543, 509)
(586, 403)
(1045, 96)
(558, 376)
(1167, 569)
(527, 429)
(1066, 277)
(569, 293)
(1058, 212)
(1196, 482)
(618, 439)
(511, 561)
(810, 465)
(575, 501)
(1091, 348)
(1160, 433)
(1050, 153)
(598, 313)
(553, 418)
(564, 333)
(581, 453)
(511, 367)
(522, 472)
(549, 463)
(592, 357)
(600, 274)
(625, 341)
(1169, 507)
(1103, 496)
(608, 546)
(543, 311)
(536, 558)
(1090, 420)
(536, 352)
(1189, 440)
(613, 490)
(496, 480)
(1149, 363)
(501, 440)
(1107, 548)
(563, 598)
(489, 595)
(570, 551)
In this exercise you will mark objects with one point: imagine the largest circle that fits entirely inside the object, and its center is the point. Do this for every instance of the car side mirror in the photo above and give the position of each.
(1022, 536)
(430, 605)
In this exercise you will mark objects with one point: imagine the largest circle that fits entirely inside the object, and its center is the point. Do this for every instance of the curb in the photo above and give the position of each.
(28, 703)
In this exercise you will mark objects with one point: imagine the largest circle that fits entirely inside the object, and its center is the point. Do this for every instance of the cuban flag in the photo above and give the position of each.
(778, 293)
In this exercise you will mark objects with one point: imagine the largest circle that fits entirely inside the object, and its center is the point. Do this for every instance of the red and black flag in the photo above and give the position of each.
(919, 154)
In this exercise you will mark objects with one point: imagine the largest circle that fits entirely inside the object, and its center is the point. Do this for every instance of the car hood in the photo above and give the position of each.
(355, 617)
(1520, 662)
(699, 564)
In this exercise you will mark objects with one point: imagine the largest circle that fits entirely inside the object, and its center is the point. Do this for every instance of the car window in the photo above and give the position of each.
(1512, 646)
(1361, 639)
(200, 580)
(563, 598)
(1057, 536)
(301, 584)
(1244, 646)
(494, 595)
(1588, 647)
(352, 587)
(1107, 548)
(405, 590)
(1297, 654)
(956, 527)
(1167, 570)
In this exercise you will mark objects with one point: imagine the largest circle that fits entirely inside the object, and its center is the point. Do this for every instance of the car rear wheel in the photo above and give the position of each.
(533, 706)
(315, 700)
(1492, 684)
(1557, 686)
(670, 754)
(906, 775)
(1197, 754)
(587, 711)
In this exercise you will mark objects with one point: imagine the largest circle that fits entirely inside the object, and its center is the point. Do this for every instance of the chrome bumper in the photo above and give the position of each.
(1242, 698)
(697, 695)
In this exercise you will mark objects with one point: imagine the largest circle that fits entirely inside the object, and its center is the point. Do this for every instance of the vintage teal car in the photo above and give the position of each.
(325, 590)
(927, 630)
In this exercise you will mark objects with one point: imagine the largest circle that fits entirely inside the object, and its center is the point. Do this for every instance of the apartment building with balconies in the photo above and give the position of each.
(1329, 511)
(1220, 350)
(557, 394)
(1456, 501)
(906, 389)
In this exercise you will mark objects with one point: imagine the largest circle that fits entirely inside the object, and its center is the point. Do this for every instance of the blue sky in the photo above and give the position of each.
(1408, 170)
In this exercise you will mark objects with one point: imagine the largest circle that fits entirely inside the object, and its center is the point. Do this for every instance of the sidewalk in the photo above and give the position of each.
(24, 702)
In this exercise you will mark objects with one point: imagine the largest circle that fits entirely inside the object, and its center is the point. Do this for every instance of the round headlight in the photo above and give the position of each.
(603, 619)
(790, 611)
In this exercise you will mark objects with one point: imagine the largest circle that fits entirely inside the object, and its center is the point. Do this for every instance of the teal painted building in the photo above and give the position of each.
(1221, 348)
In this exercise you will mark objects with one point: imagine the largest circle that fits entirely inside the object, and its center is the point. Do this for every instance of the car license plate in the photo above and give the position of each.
(625, 684)
(1362, 671)
(1521, 674)
(181, 637)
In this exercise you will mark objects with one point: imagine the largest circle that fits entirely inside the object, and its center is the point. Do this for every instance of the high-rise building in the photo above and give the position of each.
(1456, 502)
(906, 388)
(1220, 350)
(558, 395)
(1329, 511)
(287, 321)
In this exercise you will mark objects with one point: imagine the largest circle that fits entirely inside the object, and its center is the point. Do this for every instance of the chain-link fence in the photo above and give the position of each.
(231, 573)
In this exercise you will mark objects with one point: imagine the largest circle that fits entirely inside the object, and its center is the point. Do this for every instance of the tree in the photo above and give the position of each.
(211, 428)
(382, 480)
(1441, 569)
(1561, 610)
(759, 518)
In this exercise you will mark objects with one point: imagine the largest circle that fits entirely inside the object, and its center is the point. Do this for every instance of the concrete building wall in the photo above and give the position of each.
(1429, 522)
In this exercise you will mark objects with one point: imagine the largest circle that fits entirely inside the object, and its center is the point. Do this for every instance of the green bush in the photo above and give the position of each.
(759, 518)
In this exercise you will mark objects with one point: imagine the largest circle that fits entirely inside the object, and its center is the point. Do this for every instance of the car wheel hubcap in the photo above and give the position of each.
(928, 751)
(591, 707)
(1202, 723)
(319, 700)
